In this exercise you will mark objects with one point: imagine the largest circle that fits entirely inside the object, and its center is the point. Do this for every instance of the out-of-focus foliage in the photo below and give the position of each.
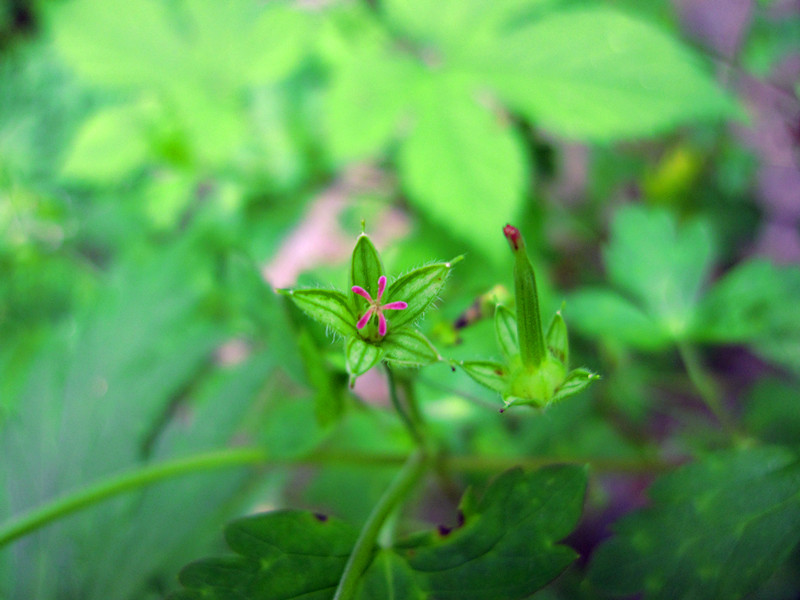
(159, 159)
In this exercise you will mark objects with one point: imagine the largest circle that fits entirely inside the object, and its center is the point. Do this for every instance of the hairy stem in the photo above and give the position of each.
(362, 551)
(124, 482)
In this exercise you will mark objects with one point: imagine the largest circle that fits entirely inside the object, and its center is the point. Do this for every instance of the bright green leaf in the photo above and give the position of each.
(361, 356)
(109, 146)
(604, 313)
(365, 103)
(717, 529)
(505, 328)
(328, 307)
(410, 348)
(463, 165)
(598, 73)
(493, 375)
(419, 288)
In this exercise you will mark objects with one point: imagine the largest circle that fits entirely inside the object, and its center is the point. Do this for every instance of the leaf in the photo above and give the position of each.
(361, 356)
(365, 103)
(716, 529)
(419, 288)
(505, 328)
(365, 270)
(272, 549)
(109, 146)
(604, 313)
(408, 347)
(328, 307)
(463, 166)
(597, 73)
(493, 375)
(505, 549)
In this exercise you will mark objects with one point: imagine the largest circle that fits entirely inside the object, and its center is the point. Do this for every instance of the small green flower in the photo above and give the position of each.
(368, 341)
(535, 370)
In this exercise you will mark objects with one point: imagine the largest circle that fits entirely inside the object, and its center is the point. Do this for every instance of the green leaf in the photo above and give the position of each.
(717, 529)
(365, 103)
(365, 270)
(600, 74)
(109, 146)
(361, 356)
(462, 165)
(604, 313)
(493, 375)
(506, 548)
(557, 339)
(272, 549)
(419, 288)
(329, 307)
(505, 328)
(409, 347)
(328, 403)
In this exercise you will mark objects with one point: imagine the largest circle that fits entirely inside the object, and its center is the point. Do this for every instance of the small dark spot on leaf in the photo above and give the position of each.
(320, 517)
(498, 372)
(452, 368)
(460, 519)
(443, 531)
(502, 410)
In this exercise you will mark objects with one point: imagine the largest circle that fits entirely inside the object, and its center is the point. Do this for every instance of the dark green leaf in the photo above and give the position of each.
(507, 548)
(328, 307)
(717, 529)
(409, 347)
(419, 288)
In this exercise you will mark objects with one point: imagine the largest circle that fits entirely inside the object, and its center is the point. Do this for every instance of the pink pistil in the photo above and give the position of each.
(375, 306)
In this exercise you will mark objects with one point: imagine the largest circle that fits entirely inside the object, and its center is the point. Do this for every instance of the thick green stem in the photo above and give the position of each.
(124, 482)
(362, 552)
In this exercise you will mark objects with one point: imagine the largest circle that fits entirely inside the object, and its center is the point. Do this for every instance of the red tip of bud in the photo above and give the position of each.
(512, 234)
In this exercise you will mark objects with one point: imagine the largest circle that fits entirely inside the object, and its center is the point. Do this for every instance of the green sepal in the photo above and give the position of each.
(529, 321)
(557, 339)
(408, 347)
(361, 357)
(490, 374)
(505, 328)
(419, 288)
(576, 381)
(365, 270)
(538, 385)
(329, 307)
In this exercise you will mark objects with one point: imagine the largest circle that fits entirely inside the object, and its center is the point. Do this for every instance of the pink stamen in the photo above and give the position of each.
(381, 324)
(395, 306)
(365, 319)
(363, 293)
(381, 285)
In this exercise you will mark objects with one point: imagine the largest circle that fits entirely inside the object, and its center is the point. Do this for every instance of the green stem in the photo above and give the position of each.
(411, 425)
(704, 384)
(365, 544)
(124, 482)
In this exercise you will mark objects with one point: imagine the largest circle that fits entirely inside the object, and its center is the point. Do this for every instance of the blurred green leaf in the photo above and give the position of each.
(462, 165)
(717, 529)
(596, 73)
(520, 515)
(108, 147)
